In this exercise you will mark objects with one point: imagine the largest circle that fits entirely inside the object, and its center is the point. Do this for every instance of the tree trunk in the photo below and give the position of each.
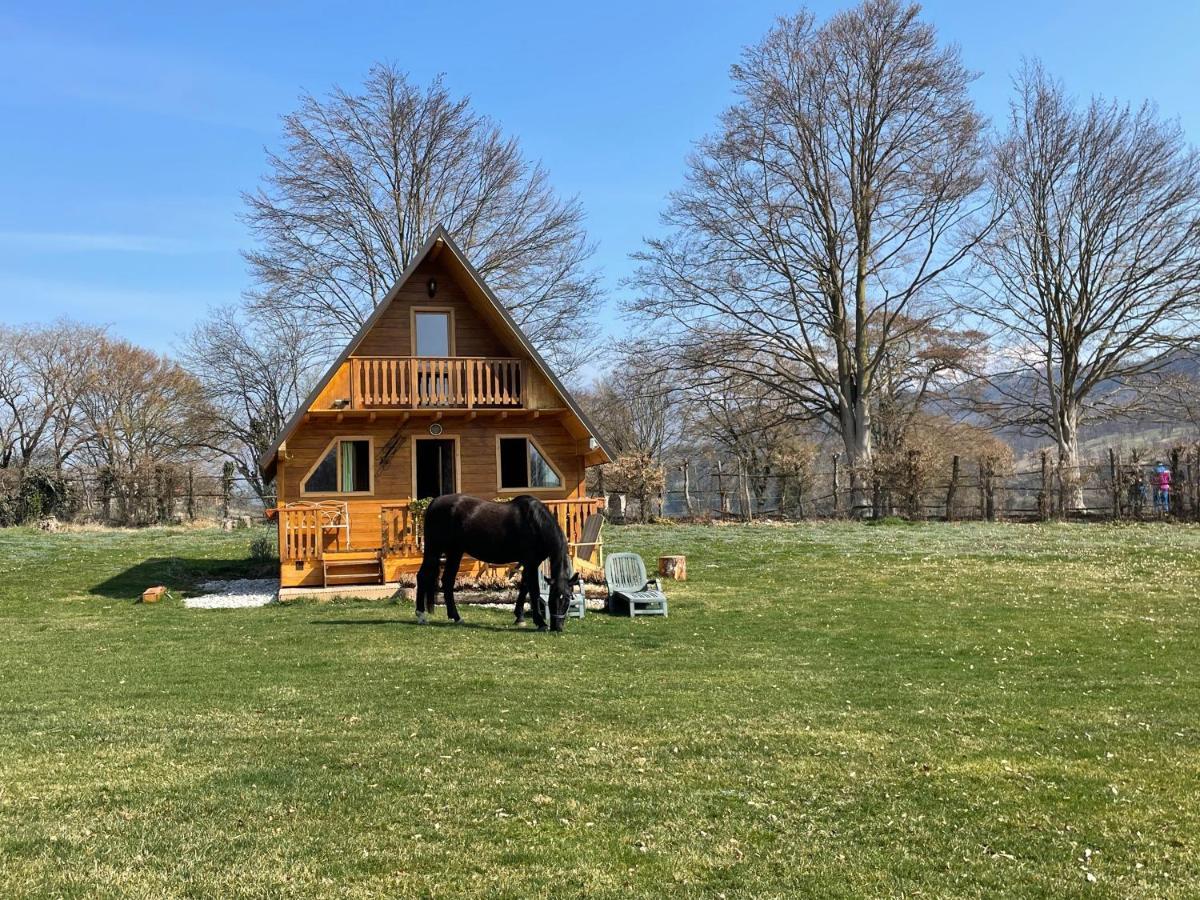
(856, 435)
(1070, 474)
(687, 488)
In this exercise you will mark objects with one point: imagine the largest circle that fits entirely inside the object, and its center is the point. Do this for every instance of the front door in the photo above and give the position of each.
(435, 468)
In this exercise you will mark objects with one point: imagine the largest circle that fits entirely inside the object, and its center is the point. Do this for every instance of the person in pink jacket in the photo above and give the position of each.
(1162, 488)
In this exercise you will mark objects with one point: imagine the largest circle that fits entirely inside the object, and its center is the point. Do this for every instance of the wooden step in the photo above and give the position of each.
(353, 567)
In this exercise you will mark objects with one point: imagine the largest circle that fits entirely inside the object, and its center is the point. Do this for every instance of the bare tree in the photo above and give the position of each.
(145, 410)
(814, 227)
(1094, 270)
(364, 178)
(45, 370)
(254, 372)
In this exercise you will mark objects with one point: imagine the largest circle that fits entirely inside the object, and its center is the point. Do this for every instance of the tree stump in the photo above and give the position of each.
(673, 567)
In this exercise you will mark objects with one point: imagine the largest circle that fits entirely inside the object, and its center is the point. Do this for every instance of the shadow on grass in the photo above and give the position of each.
(178, 573)
(413, 624)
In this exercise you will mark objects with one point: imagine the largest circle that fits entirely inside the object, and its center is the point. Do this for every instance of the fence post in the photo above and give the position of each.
(952, 489)
(1044, 493)
(988, 469)
(1176, 492)
(191, 494)
(744, 481)
(837, 503)
(1116, 485)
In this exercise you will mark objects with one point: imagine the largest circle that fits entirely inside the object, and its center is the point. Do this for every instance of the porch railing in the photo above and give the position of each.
(449, 382)
(400, 530)
(401, 533)
(300, 535)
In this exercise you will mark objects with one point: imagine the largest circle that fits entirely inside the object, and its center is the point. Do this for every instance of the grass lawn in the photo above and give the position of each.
(831, 710)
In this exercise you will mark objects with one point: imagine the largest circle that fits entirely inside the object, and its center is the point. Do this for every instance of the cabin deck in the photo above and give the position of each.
(312, 551)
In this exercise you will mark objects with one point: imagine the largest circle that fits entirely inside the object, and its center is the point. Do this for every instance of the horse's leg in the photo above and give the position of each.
(427, 583)
(533, 589)
(519, 610)
(453, 561)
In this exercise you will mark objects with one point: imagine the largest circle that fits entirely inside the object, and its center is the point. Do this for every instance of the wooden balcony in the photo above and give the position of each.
(451, 382)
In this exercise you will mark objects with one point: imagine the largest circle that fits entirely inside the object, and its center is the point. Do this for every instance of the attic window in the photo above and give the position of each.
(432, 333)
(524, 466)
(345, 468)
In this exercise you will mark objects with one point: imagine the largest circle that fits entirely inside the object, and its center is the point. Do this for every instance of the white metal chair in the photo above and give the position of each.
(332, 516)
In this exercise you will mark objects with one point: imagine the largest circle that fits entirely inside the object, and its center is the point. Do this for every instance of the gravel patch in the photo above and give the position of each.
(240, 593)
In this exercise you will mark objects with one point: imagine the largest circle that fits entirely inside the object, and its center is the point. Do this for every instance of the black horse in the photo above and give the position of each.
(521, 530)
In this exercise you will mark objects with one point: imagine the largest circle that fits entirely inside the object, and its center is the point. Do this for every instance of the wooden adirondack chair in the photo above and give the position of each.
(590, 547)
(625, 575)
(575, 606)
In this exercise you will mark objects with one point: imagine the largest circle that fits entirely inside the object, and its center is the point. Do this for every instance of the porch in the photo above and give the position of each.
(315, 548)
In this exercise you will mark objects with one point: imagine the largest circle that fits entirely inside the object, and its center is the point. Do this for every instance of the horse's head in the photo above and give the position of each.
(561, 585)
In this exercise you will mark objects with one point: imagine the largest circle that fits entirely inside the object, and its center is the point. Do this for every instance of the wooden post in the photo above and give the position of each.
(687, 486)
(1176, 496)
(952, 489)
(722, 494)
(673, 567)
(837, 502)
(1044, 493)
(989, 489)
(1116, 483)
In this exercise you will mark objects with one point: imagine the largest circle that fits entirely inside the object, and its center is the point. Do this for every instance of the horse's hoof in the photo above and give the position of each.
(421, 619)
(543, 628)
(458, 621)
(518, 623)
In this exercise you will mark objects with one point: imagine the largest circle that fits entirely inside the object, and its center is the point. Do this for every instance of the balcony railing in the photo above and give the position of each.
(425, 382)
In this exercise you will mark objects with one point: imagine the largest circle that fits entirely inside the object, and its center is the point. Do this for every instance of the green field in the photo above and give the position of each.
(831, 710)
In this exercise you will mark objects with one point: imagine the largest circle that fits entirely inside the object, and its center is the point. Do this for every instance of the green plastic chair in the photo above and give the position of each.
(575, 605)
(625, 575)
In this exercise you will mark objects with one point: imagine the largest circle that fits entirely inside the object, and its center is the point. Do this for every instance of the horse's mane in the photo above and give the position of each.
(545, 521)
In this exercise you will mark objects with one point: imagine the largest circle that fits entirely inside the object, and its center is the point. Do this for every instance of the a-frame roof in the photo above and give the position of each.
(438, 242)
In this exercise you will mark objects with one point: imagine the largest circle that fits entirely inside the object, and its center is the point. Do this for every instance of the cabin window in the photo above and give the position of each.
(523, 465)
(432, 333)
(345, 468)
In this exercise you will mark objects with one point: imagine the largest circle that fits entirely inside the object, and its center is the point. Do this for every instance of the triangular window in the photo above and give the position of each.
(344, 469)
(522, 465)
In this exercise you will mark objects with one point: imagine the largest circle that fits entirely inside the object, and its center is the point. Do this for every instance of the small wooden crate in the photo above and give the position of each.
(153, 594)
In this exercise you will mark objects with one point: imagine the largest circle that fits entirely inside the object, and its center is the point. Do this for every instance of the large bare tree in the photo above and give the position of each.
(1093, 273)
(364, 178)
(814, 227)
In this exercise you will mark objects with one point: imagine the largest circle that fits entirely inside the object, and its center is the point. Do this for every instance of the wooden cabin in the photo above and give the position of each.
(438, 393)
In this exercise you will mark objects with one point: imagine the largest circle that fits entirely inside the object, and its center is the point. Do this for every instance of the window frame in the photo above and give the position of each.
(447, 311)
(562, 482)
(324, 452)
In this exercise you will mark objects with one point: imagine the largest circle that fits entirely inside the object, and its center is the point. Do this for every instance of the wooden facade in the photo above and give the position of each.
(482, 397)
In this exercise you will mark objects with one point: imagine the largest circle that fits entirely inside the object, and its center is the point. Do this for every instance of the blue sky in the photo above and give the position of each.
(131, 129)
